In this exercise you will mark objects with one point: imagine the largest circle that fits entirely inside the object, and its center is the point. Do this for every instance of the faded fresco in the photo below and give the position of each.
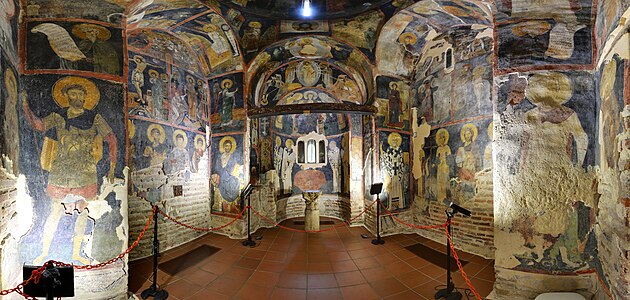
(227, 108)
(395, 170)
(9, 110)
(530, 33)
(110, 11)
(164, 92)
(611, 94)
(554, 121)
(74, 46)
(214, 43)
(392, 100)
(290, 9)
(75, 126)
(360, 31)
(9, 11)
(253, 33)
(308, 74)
(227, 178)
(304, 26)
(166, 47)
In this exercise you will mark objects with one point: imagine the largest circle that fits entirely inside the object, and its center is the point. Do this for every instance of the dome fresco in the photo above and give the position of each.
(291, 9)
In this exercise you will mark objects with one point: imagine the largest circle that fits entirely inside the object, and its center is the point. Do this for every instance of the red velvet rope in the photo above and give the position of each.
(459, 265)
(200, 228)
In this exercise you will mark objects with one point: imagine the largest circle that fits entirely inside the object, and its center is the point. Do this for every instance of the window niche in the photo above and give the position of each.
(311, 151)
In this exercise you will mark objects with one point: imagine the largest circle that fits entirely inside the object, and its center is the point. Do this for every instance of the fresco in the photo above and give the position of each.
(529, 33)
(214, 43)
(253, 33)
(164, 46)
(304, 26)
(317, 48)
(301, 124)
(611, 95)
(227, 178)
(392, 100)
(395, 172)
(305, 74)
(227, 108)
(472, 89)
(8, 28)
(360, 31)
(75, 126)
(164, 92)
(368, 155)
(110, 11)
(74, 46)
(608, 16)
(171, 149)
(290, 9)
(164, 19)
(9, 110)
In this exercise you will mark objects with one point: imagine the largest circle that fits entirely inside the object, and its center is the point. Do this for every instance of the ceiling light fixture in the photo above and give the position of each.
(306, 8)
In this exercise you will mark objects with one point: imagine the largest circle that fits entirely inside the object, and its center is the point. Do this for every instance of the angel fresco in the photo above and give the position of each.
(72, 149)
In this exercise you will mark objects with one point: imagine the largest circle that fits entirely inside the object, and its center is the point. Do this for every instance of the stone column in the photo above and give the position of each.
(311, 212)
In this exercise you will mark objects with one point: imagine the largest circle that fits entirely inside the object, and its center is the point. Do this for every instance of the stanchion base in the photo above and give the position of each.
(445, 294)
(249, 243)
(378, 241)
(155, 293)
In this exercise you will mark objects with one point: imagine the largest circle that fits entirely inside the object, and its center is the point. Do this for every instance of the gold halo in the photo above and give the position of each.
(394, 82)
(188, 77)
(160, 129)
(202, 138)
(91, 97)
(136, 57)
(79, 31)
(225, 139)
(491, 131)
(226, 83)
(466, 127)
(10, 83)
(289, 141)
(180, 132)
(402, 37)
(394, 139)
(210, 27)
(552, 88)
(152, 72)
(278, 141)
(255, 24)
(441, 132)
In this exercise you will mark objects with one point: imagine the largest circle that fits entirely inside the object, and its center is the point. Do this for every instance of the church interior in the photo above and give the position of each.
(118, 115)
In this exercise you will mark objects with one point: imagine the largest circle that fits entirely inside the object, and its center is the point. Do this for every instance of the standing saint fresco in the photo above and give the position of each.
(395, 105)
(225, 177)
(73, 146)
(443, 170)
(392, 158)
(178, 159)
(466, 159)
(156, 152)
(288, 159)
(200, 150)
(228, 99)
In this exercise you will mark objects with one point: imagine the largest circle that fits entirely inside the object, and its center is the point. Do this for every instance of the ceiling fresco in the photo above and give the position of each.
(291, 9)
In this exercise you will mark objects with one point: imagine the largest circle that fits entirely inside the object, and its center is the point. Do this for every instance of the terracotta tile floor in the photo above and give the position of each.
(338, 264)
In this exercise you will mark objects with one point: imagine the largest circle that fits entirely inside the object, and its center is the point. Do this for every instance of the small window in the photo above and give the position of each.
(311, 150)
(449, 58)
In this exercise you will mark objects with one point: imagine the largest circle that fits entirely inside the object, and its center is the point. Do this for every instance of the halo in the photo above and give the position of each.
(255, 24)
(394, 139)
(188, 77)
(225, 139)
(160, 129)
(226, 83)
(469, 126)
(278, 141)
(310, 93)
(151, 72)
(131, 128)
(552, 88)
(80, 29)
(392, 83)
(91, 97)
(210, 27)
(289, 141)
(491, 131)
(441, 132)
(180, 132)
(198, 138)
(403, 36)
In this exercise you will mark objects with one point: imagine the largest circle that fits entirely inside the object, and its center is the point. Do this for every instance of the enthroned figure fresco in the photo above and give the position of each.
(72, 148)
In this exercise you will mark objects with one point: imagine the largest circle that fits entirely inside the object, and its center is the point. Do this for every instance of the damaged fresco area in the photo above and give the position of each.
(9, 12)
(554, 32)
(546, 133)
(72, 141)
(165, 47)
(9, 110)
(83, 46)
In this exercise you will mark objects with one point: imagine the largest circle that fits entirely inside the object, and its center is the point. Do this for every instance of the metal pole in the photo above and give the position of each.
(249, 242)
(153, 291)
(448, 293)
(378, 240)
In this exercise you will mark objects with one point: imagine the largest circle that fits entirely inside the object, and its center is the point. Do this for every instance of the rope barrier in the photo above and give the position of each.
(37, 274)
(204, 229)
(459, 265)
(411, 225)
(344, 223)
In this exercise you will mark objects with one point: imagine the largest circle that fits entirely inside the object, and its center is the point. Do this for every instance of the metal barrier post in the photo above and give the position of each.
(153, 291)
